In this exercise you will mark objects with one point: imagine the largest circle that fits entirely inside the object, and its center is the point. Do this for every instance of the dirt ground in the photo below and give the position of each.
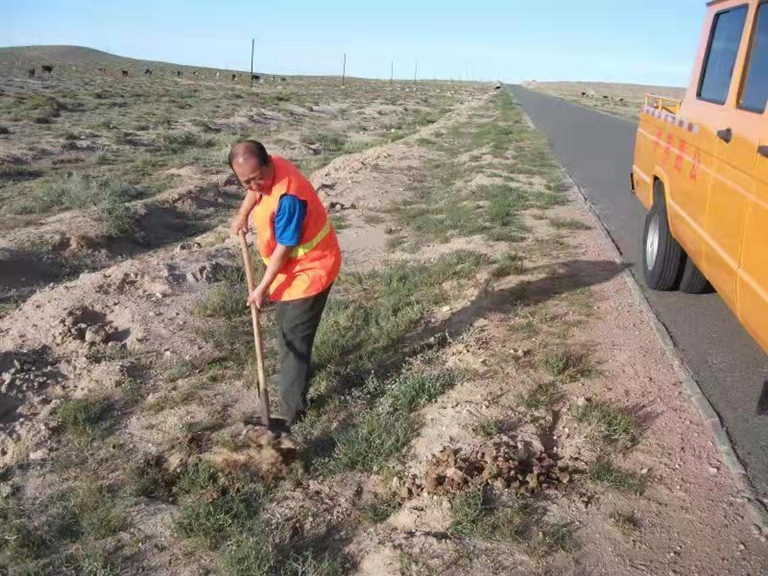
(489, 398)
(623, 100)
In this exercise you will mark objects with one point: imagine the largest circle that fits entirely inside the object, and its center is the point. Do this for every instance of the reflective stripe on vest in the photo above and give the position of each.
(303, 249)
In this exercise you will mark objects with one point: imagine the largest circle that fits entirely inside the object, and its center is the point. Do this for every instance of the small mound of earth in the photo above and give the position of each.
(85, 325)
(502, 464)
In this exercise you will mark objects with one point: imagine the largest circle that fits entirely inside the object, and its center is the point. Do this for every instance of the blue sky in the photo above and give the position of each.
(643, 41)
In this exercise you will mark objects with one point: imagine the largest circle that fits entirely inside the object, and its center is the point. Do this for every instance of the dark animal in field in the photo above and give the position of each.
(47, 68)
(283, 79)
(125, 73)
(103, 70)
(256, 77)
(605, 97)
(147, 72)
(31, 72)
(234, 77)
(583, 94)
(178, 73)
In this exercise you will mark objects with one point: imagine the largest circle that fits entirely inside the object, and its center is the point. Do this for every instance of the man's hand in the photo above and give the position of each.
(257, 296)
(239, 223)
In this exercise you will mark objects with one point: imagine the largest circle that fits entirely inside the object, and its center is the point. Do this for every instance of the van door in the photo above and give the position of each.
(690, 167)
(744, 162)
(730, 180)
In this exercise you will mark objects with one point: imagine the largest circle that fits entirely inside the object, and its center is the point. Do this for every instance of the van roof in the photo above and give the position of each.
(715, 2)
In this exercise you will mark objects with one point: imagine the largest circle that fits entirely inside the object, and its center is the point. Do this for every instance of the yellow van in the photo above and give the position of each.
(701, 169)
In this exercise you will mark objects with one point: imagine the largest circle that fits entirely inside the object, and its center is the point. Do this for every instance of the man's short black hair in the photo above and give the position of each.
(249, 148)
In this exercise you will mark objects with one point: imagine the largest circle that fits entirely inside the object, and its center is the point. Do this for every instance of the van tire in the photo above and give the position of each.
(692, 280)
(662, 255)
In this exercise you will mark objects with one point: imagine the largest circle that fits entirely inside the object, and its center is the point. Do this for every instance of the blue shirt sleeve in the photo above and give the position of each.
(289, 220)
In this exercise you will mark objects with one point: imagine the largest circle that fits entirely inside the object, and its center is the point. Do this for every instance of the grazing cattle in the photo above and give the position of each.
(605, 97)
(256, 77)
(583, 94)
(125, 73)
(218, 74)
(147, 72)
(234, 77)
(47, 68)
(178, 73)
(31, 72)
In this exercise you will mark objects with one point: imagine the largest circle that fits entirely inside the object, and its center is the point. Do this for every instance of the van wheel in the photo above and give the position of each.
(693, 281)
(662, 255)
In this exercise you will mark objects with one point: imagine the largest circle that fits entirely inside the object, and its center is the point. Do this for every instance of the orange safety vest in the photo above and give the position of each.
(312, 265)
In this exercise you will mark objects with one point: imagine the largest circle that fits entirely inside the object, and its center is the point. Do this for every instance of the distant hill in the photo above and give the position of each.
(17, 57)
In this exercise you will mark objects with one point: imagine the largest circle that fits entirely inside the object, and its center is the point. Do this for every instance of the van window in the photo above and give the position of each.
(721, 54)
(755, 92)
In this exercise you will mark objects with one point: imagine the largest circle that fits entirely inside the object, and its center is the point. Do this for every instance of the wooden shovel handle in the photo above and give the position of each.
(263, 392)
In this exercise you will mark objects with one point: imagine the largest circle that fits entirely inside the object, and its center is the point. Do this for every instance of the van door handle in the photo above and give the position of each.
(763, 150)
(725, 135)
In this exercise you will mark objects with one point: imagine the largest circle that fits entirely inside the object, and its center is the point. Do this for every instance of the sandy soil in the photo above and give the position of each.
(692, 518)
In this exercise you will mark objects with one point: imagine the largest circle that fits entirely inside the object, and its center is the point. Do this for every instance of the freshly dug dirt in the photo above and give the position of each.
(272, 455)
(503, 464)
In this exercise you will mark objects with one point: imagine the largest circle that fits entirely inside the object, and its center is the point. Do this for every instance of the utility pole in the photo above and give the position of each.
(343, 69)
(391, 71)
(415, 70)
(253, 45)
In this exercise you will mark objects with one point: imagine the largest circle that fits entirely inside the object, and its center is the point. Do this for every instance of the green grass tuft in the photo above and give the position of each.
(216, 512)
(567, 364)
(314, 564)
(339, 222)
(150, 479)
(415, 389)
(475, 515)
(468, 509)
(611, 425)
(368, 445)
(327, 142)
(82, 418)
(544, 395)
(509, 263)
(224, 300)
(76, 191)
(568, 224)
(490, 427)
(556, 537)
(249, 555)
(627, 522)
(175, 142)
(603, 472)
(380, 508)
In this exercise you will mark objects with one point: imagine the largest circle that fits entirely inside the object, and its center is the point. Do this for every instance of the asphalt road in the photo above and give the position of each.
(729, 366)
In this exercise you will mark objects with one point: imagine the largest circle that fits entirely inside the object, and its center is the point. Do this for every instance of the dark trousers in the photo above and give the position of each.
(297, 322)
